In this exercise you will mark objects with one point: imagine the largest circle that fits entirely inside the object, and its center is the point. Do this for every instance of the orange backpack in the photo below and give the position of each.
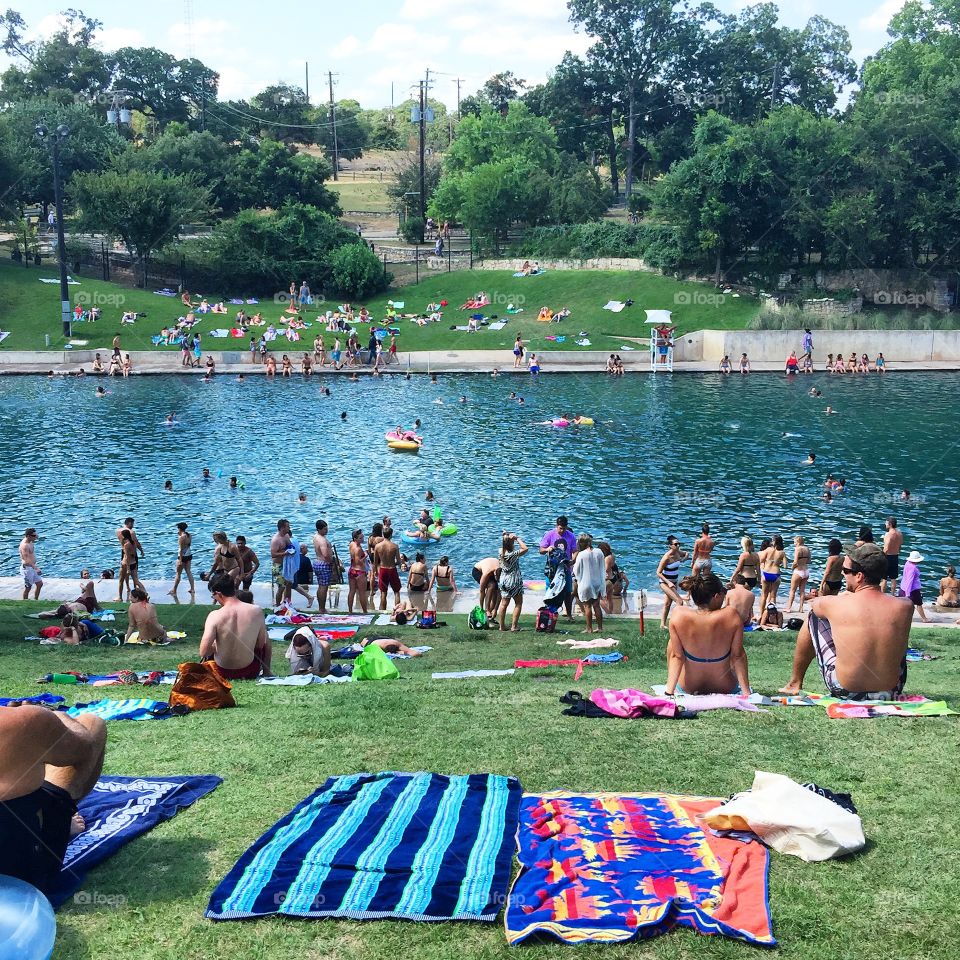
(200, 687)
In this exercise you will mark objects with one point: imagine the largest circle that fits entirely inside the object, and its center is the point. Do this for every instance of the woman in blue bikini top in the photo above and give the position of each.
(705, 653)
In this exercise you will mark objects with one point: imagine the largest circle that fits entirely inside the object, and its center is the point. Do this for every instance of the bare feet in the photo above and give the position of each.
(77, 825)
(172, 593)
(791, 689)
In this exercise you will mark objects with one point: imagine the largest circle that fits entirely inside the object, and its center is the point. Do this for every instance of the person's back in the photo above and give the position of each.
(236, 634)
(741, 599)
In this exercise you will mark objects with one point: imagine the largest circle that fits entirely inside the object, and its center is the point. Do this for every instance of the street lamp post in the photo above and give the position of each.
(61, 133)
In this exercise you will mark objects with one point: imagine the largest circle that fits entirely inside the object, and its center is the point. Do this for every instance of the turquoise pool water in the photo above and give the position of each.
(666, 454)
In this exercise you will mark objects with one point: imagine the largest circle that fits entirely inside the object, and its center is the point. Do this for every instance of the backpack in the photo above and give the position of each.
(546, 620)
(374, 664)
(200, 687)
(794, 623)
(478, 619)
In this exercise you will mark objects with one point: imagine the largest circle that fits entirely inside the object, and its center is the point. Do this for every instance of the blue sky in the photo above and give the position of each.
(379, 43)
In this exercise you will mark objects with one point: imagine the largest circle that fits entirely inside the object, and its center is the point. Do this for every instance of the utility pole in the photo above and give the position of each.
(423, 147)
(306, 76)
(458, 81)
(776, 84)
(333, 127)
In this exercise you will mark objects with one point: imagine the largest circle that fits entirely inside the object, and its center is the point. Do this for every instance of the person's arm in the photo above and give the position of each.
(543, 547)
(262, 637)
(208, 643)
(136, 540)
(433, 578)
(738, 659)
(131, 623)
(523, 548)
(737, 572)
(453, 581)
(675, 660)
(60, 740)
(256, 563)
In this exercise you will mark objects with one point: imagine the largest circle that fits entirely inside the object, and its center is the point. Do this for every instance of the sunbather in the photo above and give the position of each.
(389, 645)
(142, 617)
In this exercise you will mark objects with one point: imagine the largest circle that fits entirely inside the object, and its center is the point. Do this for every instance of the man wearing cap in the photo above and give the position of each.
(892, 542)
(563, 535)
(859, 637)
(28, 564)
(911, 583)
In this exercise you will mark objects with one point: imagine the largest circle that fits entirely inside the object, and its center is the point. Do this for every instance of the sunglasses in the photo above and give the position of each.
(850, 573)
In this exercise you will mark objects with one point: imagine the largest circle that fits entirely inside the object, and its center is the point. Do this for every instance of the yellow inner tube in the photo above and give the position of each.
(585, 422)
(410, 445)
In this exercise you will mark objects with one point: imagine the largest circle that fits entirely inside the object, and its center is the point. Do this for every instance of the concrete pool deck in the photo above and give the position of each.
(57, 589)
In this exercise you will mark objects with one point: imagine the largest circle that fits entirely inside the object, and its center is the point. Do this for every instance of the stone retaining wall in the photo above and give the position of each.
(595, 263)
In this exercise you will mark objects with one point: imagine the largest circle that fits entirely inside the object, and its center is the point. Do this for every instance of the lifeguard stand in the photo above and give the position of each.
(661, 340)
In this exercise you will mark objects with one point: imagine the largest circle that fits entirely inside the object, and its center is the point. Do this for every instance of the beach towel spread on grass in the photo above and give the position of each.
(127, 709)
(850, 710)
(413, 846)
(610, 868)
(37, 699)
(117, 810)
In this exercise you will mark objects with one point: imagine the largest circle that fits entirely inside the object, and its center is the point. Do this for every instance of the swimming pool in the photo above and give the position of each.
(666, 453)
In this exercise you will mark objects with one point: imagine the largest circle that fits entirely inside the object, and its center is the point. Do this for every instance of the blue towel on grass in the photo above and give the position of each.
(371, 846)
(127, 709)
(40, 699)
(117, 810)
(603, 658)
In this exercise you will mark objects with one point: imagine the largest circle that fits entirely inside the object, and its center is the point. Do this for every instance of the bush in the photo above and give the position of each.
(412, 229)
(356, 273)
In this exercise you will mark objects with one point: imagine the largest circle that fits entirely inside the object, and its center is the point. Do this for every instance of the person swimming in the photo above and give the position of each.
(168, 486)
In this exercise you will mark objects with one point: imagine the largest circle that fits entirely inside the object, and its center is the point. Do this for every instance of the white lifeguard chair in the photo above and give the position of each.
(661, 340)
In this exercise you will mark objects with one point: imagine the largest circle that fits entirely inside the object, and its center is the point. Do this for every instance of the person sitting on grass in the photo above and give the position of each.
(949, 589)
(87, 602)
(48, 763)
(235, 635)
(142, 617)
(705, 652)
(309, 653)
(859, 638)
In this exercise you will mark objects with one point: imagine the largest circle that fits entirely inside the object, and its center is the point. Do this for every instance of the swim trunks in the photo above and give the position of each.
(31, 576)
(702, 563)
(825, 649)
(321, 571)
(916, 598)
(278, 574)
(893, 565)
(34, 833)
(387, 577)
(250, 672)
(477, 574)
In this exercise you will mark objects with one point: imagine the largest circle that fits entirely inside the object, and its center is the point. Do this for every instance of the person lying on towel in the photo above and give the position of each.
(705, 653)
(858, 637)
(309, 653)
(48, 762)
(235, 635)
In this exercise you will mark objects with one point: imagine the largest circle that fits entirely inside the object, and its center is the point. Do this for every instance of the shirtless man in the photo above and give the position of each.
(892, 542)
(278, 547)
(387, 556)
(740, 598)
(322, 564)
(142, 616)
(485, 574)
(357, 574)
(705, 652)
(249, 562)
(235, 636)
(184, 559)
(28, 564)
(48, 761)
(702, 548)
(859, 638)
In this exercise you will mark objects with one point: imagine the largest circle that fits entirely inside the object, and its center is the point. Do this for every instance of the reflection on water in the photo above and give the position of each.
(666, 454)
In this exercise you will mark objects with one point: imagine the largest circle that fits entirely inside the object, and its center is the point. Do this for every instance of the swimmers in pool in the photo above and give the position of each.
(171, 420)
(100, 392)
(234, 485)
(830, 411)
(168, 486)
(811, 460)
(206, 474)
(301, 497)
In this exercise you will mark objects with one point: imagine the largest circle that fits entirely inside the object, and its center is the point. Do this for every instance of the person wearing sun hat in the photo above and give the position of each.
(910, 583)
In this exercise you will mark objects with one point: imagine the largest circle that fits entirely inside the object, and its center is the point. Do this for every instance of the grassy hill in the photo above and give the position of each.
(30, 309)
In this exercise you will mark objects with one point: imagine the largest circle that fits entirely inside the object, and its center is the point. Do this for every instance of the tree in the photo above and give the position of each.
(635, 39)
(11, 172)
(497, 92)
(355, 272)
(91, 145)
(384, 130)
(142, 208)
(164, 88)
(286, 112)
(404, 191)
(64, 66)
(352, 129)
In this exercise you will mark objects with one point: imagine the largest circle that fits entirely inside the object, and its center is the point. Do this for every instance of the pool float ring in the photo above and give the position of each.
(560, 422)
(406, 435)
(437, 514)
(419, 541)
(410, 446)
(449, 530)
(585, 422)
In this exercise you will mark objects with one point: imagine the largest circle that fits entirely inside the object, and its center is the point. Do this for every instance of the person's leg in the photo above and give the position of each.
(667, 603)
(176, 578)
(351, 592)
(383, 596)
(803, 655)
(517, 607)
(322, 597)
(188, 568)
(792, 594)
(588, 615)
(265, 655)
(362, 593)
(80, 779)
(502, 613)
(598, 614)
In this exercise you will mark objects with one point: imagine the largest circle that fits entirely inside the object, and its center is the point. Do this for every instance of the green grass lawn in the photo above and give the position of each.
(30, 309)
(897, 898)
(361, 195)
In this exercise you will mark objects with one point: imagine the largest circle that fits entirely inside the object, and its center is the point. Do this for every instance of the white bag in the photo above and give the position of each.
(791, 819)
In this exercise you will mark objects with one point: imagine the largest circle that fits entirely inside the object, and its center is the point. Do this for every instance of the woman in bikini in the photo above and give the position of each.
(771, 560)
(517, 351)
(286, 366)
(417, 579)
(748, 564)
(833, 571)
(668, 573)
(357, 574)
(705, 652)
(226, 558)
(128, 564)
(184, 558)
(800, 575)
(616, 580)
(702, 548)
(443, 577)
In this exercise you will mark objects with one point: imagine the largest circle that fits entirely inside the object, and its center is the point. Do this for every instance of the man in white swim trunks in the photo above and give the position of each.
(28, 564)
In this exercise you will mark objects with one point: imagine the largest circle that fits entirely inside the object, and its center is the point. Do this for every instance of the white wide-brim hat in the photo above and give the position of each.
(915, 557)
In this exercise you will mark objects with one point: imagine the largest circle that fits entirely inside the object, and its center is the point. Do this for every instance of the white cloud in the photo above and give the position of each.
(113, 38)
(877, 20)
(346, 47)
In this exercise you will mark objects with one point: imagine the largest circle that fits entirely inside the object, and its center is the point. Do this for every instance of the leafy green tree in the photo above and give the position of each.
(164, 88)
(352, 129)
(356, 272)
(144, 209)
(404, 190)
(64, 66)
(286, 112)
